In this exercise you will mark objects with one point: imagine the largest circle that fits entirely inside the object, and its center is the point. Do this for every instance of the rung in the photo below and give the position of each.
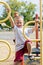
(35, 52)
(35, 40)
(36, 58)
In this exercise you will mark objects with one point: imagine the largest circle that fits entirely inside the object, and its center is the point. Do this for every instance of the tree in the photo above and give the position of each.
(26, 10)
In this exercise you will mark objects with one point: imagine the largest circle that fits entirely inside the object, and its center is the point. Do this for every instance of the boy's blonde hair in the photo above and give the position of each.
(18, 18)
(16, 12)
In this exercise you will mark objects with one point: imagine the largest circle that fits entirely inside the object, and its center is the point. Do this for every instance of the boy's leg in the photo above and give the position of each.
(29, 47)
(31, 57)
(17, 63)
(19, 57)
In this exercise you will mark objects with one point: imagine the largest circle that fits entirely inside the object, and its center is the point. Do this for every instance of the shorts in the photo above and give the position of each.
(20, 53)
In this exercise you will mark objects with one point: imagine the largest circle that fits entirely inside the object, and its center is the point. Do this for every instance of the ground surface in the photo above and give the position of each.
(9, 36)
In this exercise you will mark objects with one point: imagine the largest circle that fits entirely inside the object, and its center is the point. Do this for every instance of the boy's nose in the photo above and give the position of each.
(19, 24)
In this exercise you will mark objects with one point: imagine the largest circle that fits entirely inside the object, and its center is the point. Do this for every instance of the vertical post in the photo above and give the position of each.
(36, 23)
(41, 32)
(36, 29)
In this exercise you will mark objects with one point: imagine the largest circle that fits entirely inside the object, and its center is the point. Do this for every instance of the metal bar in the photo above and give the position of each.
(35, 40)
(41, 31)
(36, 23)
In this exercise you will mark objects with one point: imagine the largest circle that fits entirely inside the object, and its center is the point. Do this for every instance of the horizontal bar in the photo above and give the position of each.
(35, 40)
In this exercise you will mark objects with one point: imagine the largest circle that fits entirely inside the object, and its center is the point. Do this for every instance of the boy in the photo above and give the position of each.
(16, 14)
(22, 45)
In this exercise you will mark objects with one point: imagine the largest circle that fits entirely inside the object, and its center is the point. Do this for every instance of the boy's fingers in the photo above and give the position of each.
(7, 10)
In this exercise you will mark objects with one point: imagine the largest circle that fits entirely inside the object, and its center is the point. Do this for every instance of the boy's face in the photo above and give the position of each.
(19, 23)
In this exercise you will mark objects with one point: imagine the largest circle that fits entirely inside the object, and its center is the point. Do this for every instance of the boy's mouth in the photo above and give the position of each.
(19, 26)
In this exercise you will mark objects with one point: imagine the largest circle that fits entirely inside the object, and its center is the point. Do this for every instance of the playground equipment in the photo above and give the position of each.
(35, 50)
(6, 5)
(35, 61)
(36, 40)
(3, 41)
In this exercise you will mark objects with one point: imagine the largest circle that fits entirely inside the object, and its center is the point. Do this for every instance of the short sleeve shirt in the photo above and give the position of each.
(19, 38)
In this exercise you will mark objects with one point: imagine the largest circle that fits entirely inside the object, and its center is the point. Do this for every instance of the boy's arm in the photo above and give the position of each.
(11, 21)
(10, 18)
(35, 28)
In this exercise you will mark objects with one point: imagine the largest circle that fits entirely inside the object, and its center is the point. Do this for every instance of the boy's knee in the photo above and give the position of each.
(29, 43)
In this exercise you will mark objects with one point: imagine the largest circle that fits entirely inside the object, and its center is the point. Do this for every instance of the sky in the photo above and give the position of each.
(2, 8)
(28, 1)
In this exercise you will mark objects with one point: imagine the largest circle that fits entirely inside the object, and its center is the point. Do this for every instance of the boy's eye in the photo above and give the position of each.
(18, 22)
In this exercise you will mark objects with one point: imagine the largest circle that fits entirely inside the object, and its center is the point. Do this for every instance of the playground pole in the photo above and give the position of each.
(41, 31)
(36, 30)
(36, 23)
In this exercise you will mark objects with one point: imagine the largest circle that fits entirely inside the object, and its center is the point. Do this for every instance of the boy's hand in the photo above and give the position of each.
(36, 26)
(7, 10)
